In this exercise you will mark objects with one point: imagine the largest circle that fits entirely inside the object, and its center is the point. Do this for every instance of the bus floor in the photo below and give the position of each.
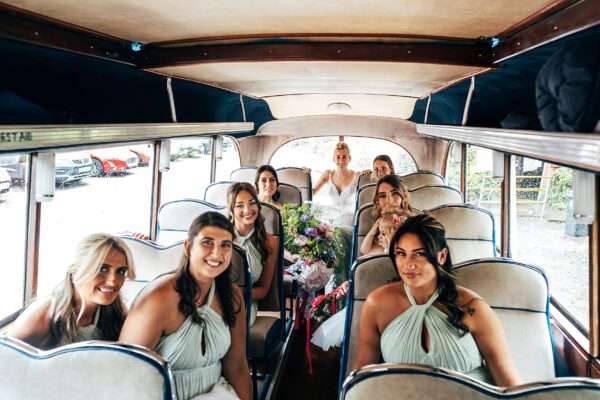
(298, 383)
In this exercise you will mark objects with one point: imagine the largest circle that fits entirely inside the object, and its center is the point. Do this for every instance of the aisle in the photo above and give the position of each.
(298, 384)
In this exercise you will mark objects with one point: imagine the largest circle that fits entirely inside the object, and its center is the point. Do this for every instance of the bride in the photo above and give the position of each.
(338, 195)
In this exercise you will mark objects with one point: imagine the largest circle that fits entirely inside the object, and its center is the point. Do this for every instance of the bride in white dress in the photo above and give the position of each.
(336, 189)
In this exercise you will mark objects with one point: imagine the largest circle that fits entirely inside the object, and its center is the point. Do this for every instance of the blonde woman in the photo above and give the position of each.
(339, 184)
(87, 304)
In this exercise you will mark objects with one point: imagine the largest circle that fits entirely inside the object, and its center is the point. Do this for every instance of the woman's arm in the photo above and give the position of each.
(369, 351)
(367, 242)
(145, 322)
(487, 332)
(322, 180)
(262, 286)
(33, 325)
(235, 366)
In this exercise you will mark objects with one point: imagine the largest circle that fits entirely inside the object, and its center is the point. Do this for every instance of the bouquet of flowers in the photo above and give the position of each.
(318, 245)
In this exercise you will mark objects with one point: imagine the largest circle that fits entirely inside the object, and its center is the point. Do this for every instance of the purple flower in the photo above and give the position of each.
(304, 217)
(311, 232)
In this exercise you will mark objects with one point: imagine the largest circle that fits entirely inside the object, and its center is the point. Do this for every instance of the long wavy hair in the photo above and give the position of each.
(187, 287)
(89, 257)
(272, 170)
(386, 159)
(405, 208)
(259, 237)
(433, 236)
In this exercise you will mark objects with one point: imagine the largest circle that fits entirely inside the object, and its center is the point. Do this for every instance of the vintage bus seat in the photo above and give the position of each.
(364, 195)
(422, 198)
(363, 221)
(367, 274)
(412, 181)
(518, 293)
(387, 381)
(431, 196)
(268, 332)
(469, 231)
(289, 194)
(80, 371)
(151, 260)
(243, 174)
(297, 177)
(216, 193)
(175, 217)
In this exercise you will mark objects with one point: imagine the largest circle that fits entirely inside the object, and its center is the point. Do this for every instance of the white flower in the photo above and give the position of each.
(315, 276)
(300, 240)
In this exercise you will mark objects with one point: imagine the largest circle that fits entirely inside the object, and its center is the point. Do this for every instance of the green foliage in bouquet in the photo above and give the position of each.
(310, 238)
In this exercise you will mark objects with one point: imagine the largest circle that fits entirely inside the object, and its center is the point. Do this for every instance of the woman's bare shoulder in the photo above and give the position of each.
(384, 293)
(467, 297)
(158, 294)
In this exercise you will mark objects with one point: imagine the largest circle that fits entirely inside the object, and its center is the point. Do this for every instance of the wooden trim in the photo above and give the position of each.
(32, 239)
(594, 258)
(505, 212)
(332, 37)
(532, 19)
(33, 28)
(479, 55)
(155, 199)
(579, 16)
(570, 345)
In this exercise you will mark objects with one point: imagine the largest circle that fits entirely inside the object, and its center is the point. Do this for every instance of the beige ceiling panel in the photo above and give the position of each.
(159, 20)
(262, 79)
(346, 104)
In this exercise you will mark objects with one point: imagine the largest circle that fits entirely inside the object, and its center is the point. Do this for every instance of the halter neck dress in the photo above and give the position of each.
(83, 333)
(195, 352)
(256, 264)
(401, 340)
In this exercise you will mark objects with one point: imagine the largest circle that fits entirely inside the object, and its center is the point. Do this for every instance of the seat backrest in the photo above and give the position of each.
(297, 177)
(362, 223)
(151, 260)
(243, 174)
(289, 194)
(385, 381)
(216, 193)
(81, 371)
(469, 231)
(365, 195)
(518, 293)
(364, 180)
(175, 217)
(367, 274)
(430, 196)
(273, 301)
(422, 178)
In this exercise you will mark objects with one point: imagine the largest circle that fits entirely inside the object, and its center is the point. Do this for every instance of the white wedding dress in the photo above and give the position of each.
(336, 207)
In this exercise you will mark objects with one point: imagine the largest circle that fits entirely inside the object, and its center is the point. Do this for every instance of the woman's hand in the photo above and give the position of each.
(139, 236)
(366, 172)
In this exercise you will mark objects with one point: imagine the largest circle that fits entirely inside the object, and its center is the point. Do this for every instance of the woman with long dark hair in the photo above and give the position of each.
(266, 183)
(195, 317)
(87, 304)
(425, 318)
(261, 248)
(382, 166)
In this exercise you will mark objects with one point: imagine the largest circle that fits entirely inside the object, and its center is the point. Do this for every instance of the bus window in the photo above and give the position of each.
(116, 199)
(483, 188)
(13, 217)
(227, 160)
(316, 153)
(546, 235)
(189, 173)
(453, 165)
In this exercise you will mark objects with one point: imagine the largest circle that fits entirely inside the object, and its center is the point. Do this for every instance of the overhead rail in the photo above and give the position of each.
(577, 150)
(41, 137)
